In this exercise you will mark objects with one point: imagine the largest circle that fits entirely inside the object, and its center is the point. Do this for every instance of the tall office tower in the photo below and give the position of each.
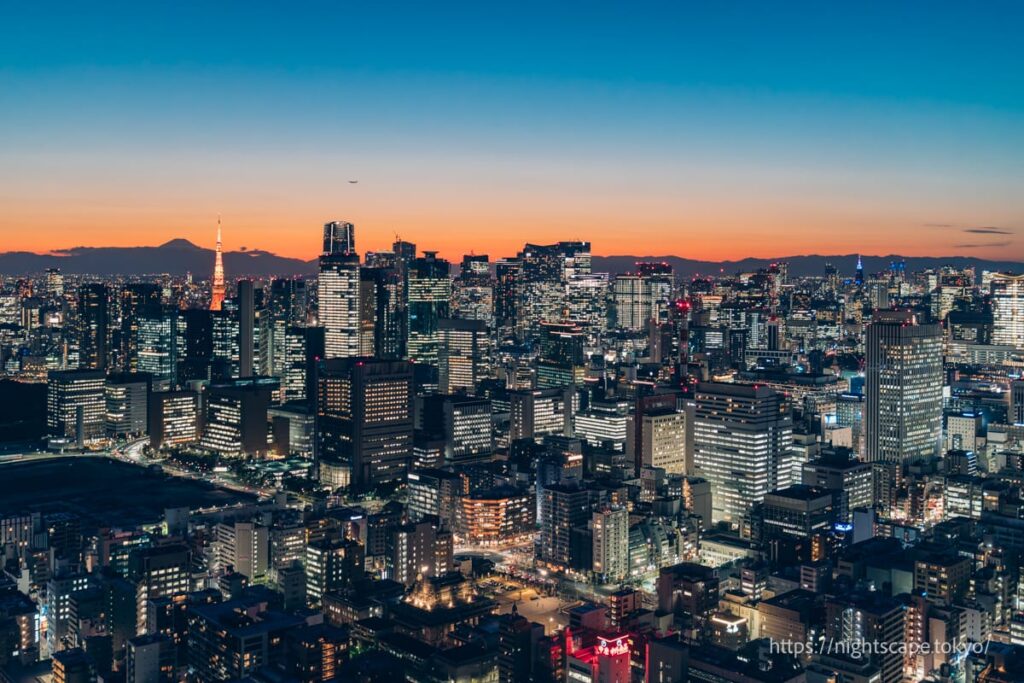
(54, 283)
(508, 276)
(668, 440)
(367, 312)
(535, 413)
(295, 364)
(1008, 310)
(404, 253)
(156, 345)
(473, 291)
(236, 416)
(196, 356)
(381, 259)
(217, 288)
(562, 361)
(93, 326)
(611, 544)
(286, 305)
(564, 507)
(289, 300)
(75, 405)
(138, 300)
(173, 418)
(430, 291)
(742, 439)
(460, 355)
(338, 293)
(903, 385)
(587, 302)
(659, 282)
(224, 363)
(643, 296)
(858, 277)
(380, 316)
(125, 397)
(475, 265)
(159, 572)
(1015, 414)
(632, 309)
(246, 327)
(339, 238)
(542, 292)
(365, 419)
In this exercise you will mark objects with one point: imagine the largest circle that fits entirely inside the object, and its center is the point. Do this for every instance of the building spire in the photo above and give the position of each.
(217, 290)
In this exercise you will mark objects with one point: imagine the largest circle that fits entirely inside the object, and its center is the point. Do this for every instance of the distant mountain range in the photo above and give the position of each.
(176, 257)
(802, 266)
(180, 256)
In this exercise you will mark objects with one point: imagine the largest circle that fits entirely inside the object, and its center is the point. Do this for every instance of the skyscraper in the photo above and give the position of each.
(430, 291)
(76, 405)
(338, 293)
(339, 237)
(156, 345)
(138, 300)
(236, 416)
(217, 288)
(1008, 310)
(460, 355)
(743, 435)
(365, 418)
(94, 326)
(246, 327)
(473, 291)
(381, 317)
(562, 359)
(903, 386)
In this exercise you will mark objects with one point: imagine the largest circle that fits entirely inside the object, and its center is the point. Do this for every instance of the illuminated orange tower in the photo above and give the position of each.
(217, 291)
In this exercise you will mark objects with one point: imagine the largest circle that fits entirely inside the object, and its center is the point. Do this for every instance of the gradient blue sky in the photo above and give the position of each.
(708, 130)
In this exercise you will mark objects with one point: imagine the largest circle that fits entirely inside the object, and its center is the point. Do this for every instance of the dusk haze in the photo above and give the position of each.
(697, 129)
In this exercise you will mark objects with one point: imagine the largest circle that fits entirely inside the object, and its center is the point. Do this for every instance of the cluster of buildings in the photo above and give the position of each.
(701, 473)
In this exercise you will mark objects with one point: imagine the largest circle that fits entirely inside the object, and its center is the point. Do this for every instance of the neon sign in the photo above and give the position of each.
(613, 647)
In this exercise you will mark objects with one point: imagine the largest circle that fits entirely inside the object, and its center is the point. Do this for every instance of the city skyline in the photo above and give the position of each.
(695, 129)
(512, 343)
